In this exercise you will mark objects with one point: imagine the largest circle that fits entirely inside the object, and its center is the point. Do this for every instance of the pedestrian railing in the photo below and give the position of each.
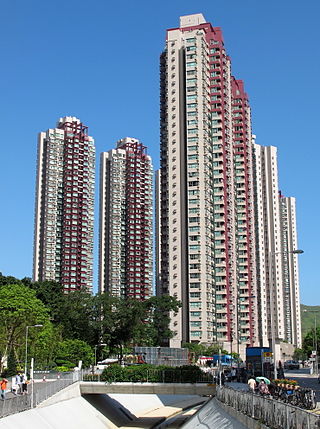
(37, 393)
(273, 413)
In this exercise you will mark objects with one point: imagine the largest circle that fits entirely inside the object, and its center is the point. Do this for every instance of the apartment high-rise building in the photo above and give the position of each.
(277, 266)
(207, 244)
(289, 241)
(64, 209)
(269, 238)
(125, 250)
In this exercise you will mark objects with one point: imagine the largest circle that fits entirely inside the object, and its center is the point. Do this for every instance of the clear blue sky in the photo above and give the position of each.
(99, 60)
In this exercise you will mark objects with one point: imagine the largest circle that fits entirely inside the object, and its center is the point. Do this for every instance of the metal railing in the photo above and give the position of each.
(37, 393)
(274, 414)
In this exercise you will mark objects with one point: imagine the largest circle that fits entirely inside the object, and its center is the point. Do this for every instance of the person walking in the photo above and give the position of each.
(19, 383)
(3, 386)
(24, 384)
(14, 385)
(252, 384)
(263, 388)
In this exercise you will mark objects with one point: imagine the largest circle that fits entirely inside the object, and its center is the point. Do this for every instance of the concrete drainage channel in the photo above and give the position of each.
(164, 411)
(179, 419)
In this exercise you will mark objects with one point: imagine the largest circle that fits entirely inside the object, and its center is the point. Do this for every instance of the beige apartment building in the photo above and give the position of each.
(223, 235)
(206, 250)
(277, 267)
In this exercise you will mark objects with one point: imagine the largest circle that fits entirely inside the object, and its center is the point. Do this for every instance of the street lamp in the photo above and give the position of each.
(271, 297)
(26, 358)
(95, 352)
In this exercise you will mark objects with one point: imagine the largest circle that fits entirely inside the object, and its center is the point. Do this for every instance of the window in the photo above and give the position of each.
(194, 294)
(194, 247)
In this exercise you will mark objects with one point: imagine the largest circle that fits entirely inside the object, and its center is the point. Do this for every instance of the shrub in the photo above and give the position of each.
(62, 368)
(152, 373)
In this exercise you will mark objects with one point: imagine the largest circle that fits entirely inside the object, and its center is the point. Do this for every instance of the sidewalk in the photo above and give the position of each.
(237, 386)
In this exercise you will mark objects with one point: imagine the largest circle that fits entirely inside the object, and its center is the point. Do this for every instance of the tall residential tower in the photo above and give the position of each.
(125, 251)
(207, 244)
(63, 236)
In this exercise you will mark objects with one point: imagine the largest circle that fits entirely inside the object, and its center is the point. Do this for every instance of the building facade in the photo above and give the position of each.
(269, 267)
(64, 209)
(207, 244)
(125, 246)
(277, 265)
(292, 316)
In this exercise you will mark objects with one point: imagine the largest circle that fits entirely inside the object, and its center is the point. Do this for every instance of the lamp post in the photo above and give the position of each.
(26, 358)
(316, 345)
(271, 298)
(95, 352)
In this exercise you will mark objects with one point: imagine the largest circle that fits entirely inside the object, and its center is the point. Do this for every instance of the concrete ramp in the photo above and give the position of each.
(212, 416)
(100, 411)
(75, 413)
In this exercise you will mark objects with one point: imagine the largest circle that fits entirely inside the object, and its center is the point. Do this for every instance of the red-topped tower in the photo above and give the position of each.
(63, 239)
(206, 248)
(125, 254)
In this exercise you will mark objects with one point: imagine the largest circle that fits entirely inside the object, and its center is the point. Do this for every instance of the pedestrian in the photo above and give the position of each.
(252, 384)
(263, 388)
(24, 384)
(14, 385)
(3, 385)
(233, 374)
(19, 383)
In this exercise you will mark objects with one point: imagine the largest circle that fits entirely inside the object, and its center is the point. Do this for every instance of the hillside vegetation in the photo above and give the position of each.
(309, 314)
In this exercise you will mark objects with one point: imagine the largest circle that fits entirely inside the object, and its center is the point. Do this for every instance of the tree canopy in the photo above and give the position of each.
(76, 323)
(19, 308)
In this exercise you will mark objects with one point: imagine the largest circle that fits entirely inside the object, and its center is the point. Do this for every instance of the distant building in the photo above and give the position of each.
(269, 267)
(64, 210)
(291, 284)
(277, 266)
(125, 247)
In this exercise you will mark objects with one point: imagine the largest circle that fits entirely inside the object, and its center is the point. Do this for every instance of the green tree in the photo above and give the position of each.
(214, 349)
(8, 280)
(127, 318)
(308, 343)
(11, 364)
(19, 308)
(299, 354)
(75, 314)
(70, 352)
(51, 294)
(196, 350)
(44, 346)
(157, 323)
(118, 322)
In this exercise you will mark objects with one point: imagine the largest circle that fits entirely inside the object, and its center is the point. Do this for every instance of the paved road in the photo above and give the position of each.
(305, 380)
(302, 376)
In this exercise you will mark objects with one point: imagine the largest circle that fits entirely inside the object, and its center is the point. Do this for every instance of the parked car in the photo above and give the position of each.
(291, 364)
